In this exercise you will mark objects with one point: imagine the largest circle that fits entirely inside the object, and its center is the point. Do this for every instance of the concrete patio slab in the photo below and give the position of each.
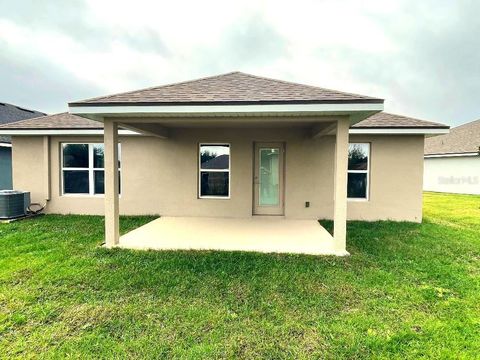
(260, 234)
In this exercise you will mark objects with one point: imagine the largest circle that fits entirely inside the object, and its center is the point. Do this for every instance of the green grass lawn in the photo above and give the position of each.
(407, 291)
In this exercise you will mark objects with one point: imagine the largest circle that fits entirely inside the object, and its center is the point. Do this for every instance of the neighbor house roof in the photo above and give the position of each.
(462, 139)
(232, 88)
(219, 162)
(10, 113)
(70, 121)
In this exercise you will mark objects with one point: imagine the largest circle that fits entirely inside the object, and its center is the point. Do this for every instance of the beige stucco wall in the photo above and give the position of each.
(160, 176)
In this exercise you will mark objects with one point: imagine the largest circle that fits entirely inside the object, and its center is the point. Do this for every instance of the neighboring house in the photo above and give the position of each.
(452, 161)
(8, 114)
(229, 146)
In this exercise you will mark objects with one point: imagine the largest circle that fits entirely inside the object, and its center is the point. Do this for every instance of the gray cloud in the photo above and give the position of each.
(436, 73)
(34, 83)
(432, 71)
(72, 18)
(251, 42)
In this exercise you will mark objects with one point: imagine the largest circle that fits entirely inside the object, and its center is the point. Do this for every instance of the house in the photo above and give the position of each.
(452, 161)
(234, 161)
(10, 113)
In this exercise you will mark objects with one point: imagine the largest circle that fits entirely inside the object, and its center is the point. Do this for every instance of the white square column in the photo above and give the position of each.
(340, 187)
(112, 220)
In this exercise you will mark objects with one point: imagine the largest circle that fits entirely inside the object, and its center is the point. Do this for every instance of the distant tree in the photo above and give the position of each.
(206, 156)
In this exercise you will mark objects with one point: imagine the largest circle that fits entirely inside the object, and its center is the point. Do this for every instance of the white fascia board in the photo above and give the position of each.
(27, 132)
(225, 109)
(5, 145)
(404, 131)
(53, 132)
(451, 155)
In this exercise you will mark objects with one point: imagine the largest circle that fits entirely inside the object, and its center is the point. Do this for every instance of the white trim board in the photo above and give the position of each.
(34, 132)
(6, 145)
(27, 132)
(224, 109)
(451, 155)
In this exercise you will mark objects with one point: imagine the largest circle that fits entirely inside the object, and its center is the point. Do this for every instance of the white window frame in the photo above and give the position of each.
(367, 194)
(214, 170)
(91, 170)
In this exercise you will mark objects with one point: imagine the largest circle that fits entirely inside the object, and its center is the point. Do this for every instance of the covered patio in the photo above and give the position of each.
(260, 234)
(217, 108)
(257, 233)
(268, 234)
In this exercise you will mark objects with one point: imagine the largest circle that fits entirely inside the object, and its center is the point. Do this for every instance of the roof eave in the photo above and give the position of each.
(61, 132)
(214, 103)
(357, 111)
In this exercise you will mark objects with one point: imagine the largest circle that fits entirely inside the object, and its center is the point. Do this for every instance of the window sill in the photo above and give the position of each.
(99, 196)
(214, 197)
(358, 200)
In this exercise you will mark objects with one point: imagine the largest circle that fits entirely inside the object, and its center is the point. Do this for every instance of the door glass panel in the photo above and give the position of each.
(269, 187)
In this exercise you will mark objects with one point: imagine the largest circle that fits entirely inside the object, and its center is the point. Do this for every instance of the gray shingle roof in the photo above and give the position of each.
(390, 121)
(461, 139)
(69, 121)
(231, 88)
(57, 121)
(10, 113)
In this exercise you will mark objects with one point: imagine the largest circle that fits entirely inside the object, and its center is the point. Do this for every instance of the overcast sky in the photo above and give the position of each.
(422, 57)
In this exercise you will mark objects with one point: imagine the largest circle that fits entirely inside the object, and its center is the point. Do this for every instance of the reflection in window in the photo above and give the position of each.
(83, 168)
(358, 170)
(214, 168)
(75, 155)
(75, 182)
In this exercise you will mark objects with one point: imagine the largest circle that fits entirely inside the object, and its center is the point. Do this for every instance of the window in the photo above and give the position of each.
(358, 171)
(83, 169)
(214, 171)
